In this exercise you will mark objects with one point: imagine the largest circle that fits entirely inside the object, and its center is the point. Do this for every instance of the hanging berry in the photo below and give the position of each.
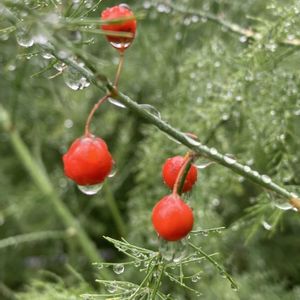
(88, 161)
(125, 26)
(171, 169)
(172, 218)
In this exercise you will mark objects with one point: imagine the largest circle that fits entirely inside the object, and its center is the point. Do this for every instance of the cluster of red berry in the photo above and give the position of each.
(88, 161)
(172, 218)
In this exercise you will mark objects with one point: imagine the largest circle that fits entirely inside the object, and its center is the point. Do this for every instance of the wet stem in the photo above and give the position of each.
(104, 98)
(179, 183)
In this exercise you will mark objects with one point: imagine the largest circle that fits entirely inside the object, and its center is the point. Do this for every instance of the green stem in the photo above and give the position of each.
(114, 209)
(233, 27)
(100, 81)
(32, 237)
(158, 281)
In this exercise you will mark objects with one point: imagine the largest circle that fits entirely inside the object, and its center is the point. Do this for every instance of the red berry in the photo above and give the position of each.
(88, 161)
(128, 26)
(172, 218)
(171, 169)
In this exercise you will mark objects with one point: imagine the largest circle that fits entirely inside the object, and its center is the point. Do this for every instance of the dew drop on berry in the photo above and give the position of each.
(118, 269)
(151, 109)
(116, 103)
(124, 5)
(113, 171)
(90, 189)
(120, 45)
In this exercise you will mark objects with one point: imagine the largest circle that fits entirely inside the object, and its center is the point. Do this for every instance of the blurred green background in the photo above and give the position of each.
(238, 95)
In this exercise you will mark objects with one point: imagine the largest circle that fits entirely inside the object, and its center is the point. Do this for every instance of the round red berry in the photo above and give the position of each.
(171, 169)
(126, 26)
(88, 161)
(172, 218)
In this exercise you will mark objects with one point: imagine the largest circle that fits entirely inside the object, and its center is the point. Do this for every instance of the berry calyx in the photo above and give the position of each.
(172, 218)
(126, 26)
(171, 169)
(88, 161)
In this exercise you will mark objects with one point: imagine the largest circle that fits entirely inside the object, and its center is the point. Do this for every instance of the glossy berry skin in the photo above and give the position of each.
(88, 161)
(172, 218)
(128, 26)
(171, 169)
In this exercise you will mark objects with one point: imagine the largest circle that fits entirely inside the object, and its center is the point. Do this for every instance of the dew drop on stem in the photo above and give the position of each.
(90, 189)
(118, 269)
(266, 179)
(266, 225)
(229, 159)
(151, 109)
(116, 103)
(74, 79)
(23, 37)
(111, 287)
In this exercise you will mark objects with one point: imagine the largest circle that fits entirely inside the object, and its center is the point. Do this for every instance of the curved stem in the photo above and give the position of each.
(180, 178)
(91, 114)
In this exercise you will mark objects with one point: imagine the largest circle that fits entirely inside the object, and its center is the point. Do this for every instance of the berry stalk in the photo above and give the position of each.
(177, 189)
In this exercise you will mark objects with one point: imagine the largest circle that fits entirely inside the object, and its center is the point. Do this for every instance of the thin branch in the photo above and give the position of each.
(211, 153)
(233, 27)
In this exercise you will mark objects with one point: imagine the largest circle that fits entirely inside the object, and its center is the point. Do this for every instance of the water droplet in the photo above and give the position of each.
(283, 206)
(47, 55)
(204, 165)
(23, 37)
(11, 67)
(234, 287)
(247, 169)
(40, 39)
(229, 159)
(111, 287)
(74, 79)
(59, 66)
(120, 45)
(116, 103)
(90, 189)
(113, 171)
(195, 278)
(266, 179)
(192, 141)
(223, 274)
(68, 123)
(243, 39)
(151, 109)
(266, 225)
(137, 263)
(213, 151)
(118, 269)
